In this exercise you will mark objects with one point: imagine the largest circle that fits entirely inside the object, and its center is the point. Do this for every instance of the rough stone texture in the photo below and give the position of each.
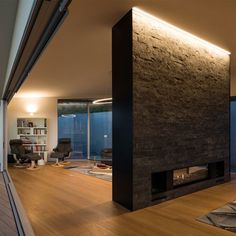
(180, 104)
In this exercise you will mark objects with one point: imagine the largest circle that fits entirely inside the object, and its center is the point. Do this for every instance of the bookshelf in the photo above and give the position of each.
(33, 132)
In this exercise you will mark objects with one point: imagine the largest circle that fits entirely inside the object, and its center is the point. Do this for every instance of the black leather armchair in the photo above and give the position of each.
(62, 152)
(106, 156)
(21, 155)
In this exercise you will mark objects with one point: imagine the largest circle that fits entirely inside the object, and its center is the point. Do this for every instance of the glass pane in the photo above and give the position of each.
(100, 128)
(72, 123)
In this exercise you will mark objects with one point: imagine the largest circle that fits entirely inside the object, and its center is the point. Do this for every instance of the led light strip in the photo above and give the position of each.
(103, 101)
(202, 41)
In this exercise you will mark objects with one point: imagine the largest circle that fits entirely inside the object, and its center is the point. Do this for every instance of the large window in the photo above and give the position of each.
(89, 126)
(100, 128)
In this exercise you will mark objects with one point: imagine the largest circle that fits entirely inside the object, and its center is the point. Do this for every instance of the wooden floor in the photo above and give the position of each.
(62, 202)
(7, 222)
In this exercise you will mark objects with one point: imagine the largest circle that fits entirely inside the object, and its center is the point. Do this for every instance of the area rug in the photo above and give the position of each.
(224, 217)
(88, 170)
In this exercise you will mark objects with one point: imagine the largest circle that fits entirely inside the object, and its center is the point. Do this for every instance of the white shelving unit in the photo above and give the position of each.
(33, 132)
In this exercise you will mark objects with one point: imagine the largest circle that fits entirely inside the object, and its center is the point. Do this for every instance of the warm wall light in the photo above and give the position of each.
(187, 35)
(31, 108)
(103, 101)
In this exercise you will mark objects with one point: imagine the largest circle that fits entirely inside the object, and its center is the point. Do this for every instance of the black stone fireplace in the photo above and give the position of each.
(166, 182)
(170, 113)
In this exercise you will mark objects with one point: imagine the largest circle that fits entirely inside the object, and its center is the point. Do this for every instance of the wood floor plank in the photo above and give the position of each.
(62, 202)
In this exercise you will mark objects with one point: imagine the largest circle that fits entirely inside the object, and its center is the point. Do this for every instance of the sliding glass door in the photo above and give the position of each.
(100, 128)
(72, 123)
(89, 126)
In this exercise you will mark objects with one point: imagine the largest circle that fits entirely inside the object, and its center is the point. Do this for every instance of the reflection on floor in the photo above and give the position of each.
(61, 202)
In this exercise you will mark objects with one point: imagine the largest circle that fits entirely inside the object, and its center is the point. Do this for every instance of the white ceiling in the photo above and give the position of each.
(77, 62)
(7, 22)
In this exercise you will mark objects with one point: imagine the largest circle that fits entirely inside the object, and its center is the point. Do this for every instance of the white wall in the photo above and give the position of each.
(46, 107)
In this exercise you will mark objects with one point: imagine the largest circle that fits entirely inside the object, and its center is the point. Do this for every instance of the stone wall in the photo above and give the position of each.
(180, 104)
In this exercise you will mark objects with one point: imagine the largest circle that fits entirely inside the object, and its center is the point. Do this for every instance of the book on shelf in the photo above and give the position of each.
(33, 132)
(45, 123)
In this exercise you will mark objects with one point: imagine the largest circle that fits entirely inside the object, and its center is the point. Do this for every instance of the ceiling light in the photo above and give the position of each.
(187, 35)
(103, 101)
(68, 116)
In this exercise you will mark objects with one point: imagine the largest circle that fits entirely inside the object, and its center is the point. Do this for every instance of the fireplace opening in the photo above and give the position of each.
(166, 181)
(189, 175)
